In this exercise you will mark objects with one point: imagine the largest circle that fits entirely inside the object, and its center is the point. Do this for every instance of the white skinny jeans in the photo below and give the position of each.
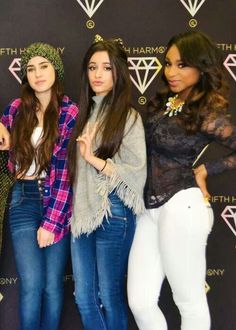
(171, 241)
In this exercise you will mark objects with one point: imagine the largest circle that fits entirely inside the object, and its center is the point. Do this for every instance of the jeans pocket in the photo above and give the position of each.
(118, 211)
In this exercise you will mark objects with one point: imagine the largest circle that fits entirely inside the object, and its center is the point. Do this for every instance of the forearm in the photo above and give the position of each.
(101, 165)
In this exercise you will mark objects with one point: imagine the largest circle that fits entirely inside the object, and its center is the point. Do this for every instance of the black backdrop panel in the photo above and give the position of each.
(145, 26)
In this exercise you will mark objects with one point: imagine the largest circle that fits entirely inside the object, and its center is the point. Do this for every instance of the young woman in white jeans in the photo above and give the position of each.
(171, 236)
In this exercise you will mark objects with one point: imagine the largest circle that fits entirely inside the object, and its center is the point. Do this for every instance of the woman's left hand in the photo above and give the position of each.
(45, 238)
(85, 141)
(4, 138)
(200, 173)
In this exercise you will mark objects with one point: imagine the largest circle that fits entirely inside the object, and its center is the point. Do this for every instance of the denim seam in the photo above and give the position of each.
(94, 296)
(125, 223)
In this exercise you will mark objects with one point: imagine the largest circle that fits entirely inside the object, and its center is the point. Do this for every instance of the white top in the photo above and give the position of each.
(35, 140)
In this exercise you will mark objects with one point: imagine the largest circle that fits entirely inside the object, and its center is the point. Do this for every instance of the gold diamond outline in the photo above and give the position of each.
(143, 85)
(192, 8)
(230, 57)
(13, 69)
(225, 216)
(90, 10)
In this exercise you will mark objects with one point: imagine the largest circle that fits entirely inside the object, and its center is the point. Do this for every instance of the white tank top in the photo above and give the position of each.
(35, 139)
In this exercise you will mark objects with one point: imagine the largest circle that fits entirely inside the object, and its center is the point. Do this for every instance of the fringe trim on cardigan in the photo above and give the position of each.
(106, 185)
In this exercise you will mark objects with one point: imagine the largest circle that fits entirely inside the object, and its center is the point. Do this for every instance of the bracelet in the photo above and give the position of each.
(104, 166)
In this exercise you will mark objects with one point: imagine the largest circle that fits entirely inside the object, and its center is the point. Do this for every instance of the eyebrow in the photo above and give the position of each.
(167, 58)
(102, 63)
(30, 65)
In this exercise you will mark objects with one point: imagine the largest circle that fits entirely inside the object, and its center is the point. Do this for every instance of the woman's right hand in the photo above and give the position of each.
(86, 151)
(4, 138)
(85, 141)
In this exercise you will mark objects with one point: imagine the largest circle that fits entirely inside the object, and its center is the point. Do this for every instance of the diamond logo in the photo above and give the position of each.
(90, 7)
(14, 68)
(230, 64)
(143, 70)
(229, 216)
(1, 297)
(192, 6)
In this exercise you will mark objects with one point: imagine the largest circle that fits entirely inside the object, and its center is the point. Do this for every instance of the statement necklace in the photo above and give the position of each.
(171, 108)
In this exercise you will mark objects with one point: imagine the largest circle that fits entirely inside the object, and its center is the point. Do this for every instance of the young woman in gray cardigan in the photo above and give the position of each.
(107, 159)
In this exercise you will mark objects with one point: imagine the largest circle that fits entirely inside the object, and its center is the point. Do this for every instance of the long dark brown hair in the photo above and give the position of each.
(115, 106)
(24, 123)
(210, 94)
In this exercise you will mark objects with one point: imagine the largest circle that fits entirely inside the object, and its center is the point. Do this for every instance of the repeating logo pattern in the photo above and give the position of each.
(14, 68)
(192, 5)
(143, 71)
(229, 216)
(207, 287)
(230, 64)
(90, 7)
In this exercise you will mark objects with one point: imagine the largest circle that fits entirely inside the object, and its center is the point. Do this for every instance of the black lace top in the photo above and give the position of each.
(172, 152)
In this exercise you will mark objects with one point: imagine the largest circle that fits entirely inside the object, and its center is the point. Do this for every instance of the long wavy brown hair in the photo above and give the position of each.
(210, 94)
(24, 123)
(116, 104)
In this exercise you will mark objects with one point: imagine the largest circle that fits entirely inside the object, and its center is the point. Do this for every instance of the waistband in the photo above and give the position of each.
(30, 181)
(31, 185)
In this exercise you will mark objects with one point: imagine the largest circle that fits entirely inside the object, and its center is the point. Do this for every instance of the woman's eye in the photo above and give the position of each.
(45, 66)
(29, 70)
(107, 68)
(91, 67)
(182, 65)
(167, 64)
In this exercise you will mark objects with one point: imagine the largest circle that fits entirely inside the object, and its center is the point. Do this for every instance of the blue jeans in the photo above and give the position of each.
(99, 263)
(40, 270)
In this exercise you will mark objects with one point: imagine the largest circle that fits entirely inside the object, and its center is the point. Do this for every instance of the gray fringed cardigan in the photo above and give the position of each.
(91, 189)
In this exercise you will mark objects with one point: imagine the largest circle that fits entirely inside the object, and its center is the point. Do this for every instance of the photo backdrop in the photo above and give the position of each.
(145, 27)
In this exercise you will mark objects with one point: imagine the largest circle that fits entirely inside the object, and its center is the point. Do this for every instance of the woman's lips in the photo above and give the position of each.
(39, 82)
(97, 83)
(173, 83)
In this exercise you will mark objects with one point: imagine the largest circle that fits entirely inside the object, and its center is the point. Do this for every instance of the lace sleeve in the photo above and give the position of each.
(220, 129)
